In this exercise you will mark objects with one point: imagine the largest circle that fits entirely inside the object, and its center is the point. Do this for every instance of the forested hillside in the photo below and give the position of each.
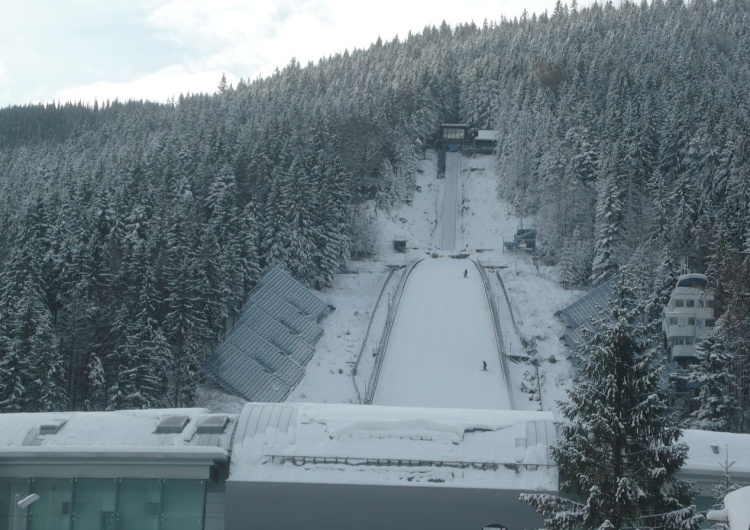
(131, 231)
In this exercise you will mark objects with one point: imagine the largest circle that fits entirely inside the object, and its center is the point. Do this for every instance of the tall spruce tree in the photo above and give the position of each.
(619, 452)
(714, 375)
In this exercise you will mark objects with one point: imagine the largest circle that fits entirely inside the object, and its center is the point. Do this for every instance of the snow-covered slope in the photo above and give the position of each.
(533, 292)
(442, 334)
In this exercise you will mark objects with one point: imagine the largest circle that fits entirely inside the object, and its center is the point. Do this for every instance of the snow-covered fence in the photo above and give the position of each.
(383, 343)
(355, 370)
(507, 300)
(498, 332)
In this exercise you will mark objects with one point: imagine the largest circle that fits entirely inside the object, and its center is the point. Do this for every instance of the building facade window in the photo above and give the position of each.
(679, 302)
(453, 134)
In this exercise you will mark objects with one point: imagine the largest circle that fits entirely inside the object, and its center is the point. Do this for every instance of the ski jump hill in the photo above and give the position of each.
(435, 354)
(442, 350)
(436, 441)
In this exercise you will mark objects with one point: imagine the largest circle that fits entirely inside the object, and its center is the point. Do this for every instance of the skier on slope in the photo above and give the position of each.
(466, 273)
(484, 366)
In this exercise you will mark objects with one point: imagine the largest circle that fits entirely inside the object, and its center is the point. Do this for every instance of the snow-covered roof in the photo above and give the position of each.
(377, 445)
(710, 450)
(185, 434)
(484, 135)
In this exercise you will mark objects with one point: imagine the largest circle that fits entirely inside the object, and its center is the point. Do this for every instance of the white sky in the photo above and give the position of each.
(71, 50)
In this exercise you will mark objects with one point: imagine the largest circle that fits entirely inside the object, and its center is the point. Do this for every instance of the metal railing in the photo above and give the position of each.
(498, 332)
(367, 333)
(300, 460)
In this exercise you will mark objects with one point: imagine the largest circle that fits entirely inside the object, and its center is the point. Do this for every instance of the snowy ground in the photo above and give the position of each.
(533, 292)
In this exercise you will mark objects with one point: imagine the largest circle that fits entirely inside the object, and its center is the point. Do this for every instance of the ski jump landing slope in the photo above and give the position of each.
(441, 334)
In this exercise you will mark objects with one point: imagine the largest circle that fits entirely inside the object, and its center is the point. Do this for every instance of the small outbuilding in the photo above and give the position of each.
(399, 243)
(453, 136)
(485, 141)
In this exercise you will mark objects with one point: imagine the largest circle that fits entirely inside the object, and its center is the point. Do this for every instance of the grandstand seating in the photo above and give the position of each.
(282, 284)
(578, 316)
(262, 358)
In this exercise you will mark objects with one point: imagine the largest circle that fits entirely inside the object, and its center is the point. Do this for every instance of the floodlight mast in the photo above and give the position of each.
(22, 503)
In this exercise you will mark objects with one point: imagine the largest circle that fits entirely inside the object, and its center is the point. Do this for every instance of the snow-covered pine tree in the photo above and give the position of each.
(275, 230)
(302, 215)
(185, 327)
(333, 238)
(13, 370)
(609, 229)
(618, 452)
(665, 279)
(36, 347)
(97, 385)
(714, 375)
(565, 267)
(140, 356)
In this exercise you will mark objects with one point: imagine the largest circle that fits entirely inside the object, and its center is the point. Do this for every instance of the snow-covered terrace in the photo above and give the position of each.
(378, 445)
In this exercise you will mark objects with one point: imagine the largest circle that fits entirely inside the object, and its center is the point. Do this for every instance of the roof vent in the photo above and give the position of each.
(51, 426)
(212, 424)
(172, 424)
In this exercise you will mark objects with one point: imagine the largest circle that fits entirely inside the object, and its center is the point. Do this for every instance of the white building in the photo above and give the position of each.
(688, 315)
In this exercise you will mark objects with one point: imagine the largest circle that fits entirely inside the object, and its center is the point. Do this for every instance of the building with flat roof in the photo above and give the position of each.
(132, 469)
(294, 465)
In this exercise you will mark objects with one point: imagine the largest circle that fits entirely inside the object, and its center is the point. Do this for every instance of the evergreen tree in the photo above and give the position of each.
(35, 343)
(618, 452)
(13, 370)
(714, 375)
(97, 385)
(609, 231)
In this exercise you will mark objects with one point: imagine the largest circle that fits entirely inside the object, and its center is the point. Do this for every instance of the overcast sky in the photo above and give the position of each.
(71, 50)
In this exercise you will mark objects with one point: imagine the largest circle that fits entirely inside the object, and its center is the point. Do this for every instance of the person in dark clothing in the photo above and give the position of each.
(466, 273)
(484, 366)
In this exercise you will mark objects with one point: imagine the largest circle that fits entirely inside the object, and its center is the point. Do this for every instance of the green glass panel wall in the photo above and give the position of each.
(139, 504)
(105, 504)
(183, 504)
(54, 507)
(95, 504)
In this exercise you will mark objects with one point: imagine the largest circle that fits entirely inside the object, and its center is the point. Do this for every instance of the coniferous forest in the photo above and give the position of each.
(130, 232)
